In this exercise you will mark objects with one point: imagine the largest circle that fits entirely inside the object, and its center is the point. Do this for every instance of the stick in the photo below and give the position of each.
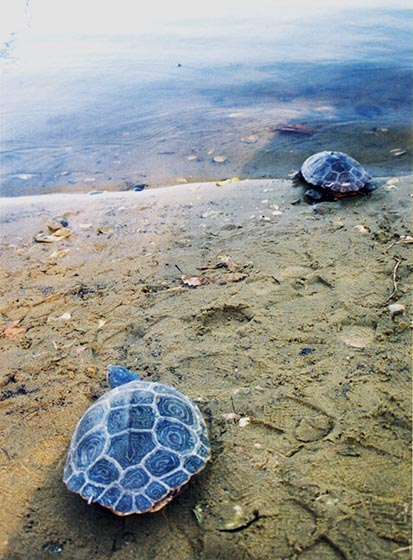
(401, 242)
(394, 292)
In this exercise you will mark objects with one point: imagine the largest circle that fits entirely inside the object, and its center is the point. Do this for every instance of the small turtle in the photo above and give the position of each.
(334, 175)
(136, 446)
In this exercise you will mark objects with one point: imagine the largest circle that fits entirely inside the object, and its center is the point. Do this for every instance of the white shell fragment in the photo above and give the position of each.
(397, 152)
(65, 317)
(396, 309)
(244, 421)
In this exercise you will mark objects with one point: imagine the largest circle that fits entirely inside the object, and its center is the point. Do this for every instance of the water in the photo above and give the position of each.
(112, 99)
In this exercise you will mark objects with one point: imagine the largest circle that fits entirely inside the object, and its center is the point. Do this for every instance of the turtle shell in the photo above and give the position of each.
(335, 171)
(136, 447)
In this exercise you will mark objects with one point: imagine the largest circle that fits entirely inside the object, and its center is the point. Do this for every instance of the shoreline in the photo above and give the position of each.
(273, 315)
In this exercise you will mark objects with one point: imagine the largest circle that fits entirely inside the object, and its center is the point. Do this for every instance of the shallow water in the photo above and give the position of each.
(91, 107)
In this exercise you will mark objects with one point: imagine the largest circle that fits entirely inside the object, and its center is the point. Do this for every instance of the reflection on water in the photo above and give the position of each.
(206, 99)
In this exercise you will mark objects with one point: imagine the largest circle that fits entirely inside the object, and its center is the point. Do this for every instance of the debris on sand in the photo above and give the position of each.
(57, 235)
(295, 129)
(13, 329)
(396, 309)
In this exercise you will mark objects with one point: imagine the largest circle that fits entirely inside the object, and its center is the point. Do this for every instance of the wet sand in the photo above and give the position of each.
(301, 371)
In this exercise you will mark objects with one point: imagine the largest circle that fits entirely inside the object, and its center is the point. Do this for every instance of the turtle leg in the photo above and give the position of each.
(117, 375)
(297, 179)
(370, 187)
(315, 195)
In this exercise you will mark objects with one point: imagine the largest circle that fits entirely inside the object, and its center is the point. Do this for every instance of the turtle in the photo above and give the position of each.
(137, 446)
(334, 175)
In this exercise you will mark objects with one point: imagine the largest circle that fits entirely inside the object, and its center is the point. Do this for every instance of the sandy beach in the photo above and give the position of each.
(273, 315)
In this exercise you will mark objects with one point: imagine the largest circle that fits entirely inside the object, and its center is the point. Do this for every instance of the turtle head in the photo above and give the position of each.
(117, 375)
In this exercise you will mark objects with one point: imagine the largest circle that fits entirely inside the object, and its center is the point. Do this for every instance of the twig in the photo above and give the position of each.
(394, 292)
(403, 549)
(407, 241)
(6, 453)
(310, 405)
(266, 424)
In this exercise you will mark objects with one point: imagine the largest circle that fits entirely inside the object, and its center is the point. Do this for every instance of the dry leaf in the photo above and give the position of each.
(59, 253)
(42, 238)
(104, 230)
(295, 128)
(61, 233)
(225, 262)
(55, 236)
(12, 330)
(227, 181)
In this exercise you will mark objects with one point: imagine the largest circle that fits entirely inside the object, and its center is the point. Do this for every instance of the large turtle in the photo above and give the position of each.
(333, 175)
(136, 446)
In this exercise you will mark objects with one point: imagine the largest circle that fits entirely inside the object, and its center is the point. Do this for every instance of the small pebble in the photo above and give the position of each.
(209, 213)
(219, 159)
(396, 309)
(54, 548)
(230, 416)
(305, 351)
(250, 139)
(57, 223)
(361, 229)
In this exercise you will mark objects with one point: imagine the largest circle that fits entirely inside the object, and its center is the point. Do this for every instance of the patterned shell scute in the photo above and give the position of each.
(135, 447)
(335, 171)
